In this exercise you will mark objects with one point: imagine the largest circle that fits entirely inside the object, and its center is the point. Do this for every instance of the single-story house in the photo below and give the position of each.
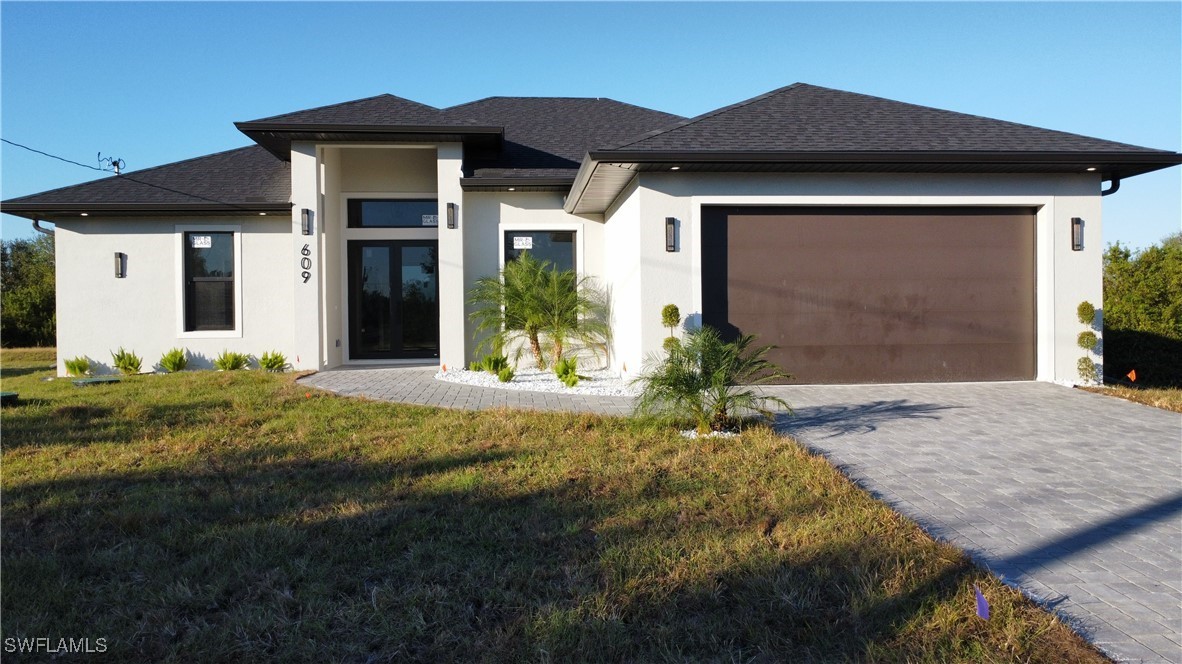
(870, 240)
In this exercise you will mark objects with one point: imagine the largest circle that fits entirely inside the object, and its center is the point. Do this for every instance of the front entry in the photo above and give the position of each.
(393, 299)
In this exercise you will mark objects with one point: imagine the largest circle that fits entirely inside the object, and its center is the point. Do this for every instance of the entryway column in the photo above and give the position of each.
(452, 339)
(306, 261)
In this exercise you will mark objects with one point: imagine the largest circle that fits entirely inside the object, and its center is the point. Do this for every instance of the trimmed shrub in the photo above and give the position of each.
(1087, 370)
(127, 362)
(1143, 313)
(78, 366)
(174, 360)
(231, 361)
(1086, 312)
(1087, 340)
(273, 361)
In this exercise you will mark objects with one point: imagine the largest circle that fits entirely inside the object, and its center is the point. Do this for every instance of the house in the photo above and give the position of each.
(871, 240)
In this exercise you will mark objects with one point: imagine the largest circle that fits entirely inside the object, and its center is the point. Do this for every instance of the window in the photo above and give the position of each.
(557, 247)
(209, 280)
(393, 213)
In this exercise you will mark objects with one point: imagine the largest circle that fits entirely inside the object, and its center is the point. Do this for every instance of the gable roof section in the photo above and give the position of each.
(548, 136)
(806, 128)
(246, 180)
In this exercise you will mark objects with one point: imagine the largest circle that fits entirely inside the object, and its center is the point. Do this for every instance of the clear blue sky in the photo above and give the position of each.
(159, 82)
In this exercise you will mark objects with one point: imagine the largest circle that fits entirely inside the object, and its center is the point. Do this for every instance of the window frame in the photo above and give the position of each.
(355, 203)
(180, 232)
(546, 227)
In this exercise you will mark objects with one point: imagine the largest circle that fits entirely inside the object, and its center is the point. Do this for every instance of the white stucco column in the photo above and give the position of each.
(306, 261)
(452, 338)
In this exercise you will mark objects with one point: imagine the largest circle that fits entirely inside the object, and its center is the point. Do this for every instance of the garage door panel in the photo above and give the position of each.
(876, 294)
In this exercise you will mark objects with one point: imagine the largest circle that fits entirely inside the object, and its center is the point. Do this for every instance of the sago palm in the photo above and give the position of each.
(708, 380)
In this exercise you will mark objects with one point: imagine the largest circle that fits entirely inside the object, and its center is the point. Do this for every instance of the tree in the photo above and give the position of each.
(1143, 312)
(27, 308)
(547, 308)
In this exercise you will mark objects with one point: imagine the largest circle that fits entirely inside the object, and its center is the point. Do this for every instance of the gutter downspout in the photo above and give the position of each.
(1115, 186)
(37, 227)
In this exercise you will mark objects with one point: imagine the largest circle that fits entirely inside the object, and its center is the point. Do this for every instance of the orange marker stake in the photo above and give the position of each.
(1132, 375)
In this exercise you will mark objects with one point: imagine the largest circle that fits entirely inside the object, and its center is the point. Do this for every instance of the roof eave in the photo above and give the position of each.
(277, 137)
(1108, 165)
(60, 211)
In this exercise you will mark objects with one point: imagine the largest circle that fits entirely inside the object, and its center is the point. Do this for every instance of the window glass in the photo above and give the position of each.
(557, 247)
(398, 213)
(209, 281)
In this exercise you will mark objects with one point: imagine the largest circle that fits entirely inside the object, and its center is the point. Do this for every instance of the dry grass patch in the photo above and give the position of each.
(228, 516)
(1166, 398)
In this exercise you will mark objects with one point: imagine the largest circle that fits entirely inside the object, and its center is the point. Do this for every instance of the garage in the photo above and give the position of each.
(876, 294)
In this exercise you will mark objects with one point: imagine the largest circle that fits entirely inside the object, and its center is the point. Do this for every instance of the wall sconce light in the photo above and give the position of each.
(451, 215)
(670, 234)
(120, 265)
(306, 217)
(1076, 234)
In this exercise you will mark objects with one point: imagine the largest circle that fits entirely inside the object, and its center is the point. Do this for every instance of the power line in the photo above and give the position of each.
(118, 174)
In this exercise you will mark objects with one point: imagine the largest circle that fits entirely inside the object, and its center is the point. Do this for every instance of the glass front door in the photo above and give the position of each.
(393, 299)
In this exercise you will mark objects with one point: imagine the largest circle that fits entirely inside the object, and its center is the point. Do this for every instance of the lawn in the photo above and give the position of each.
(239, 516)
(1166, 398)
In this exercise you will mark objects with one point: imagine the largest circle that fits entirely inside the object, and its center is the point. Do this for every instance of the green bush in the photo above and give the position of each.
(127, 362)
(493, 364)
(78, 366)
(1143, 313)
(1087, 340)
(174, 360)
(231, 361)
(27, 298)
(708, 381)
(670, 317)
(1087, 370)
(567, 371)
(1086, 312)
(273, 361)
(505, 374)
(670, 343)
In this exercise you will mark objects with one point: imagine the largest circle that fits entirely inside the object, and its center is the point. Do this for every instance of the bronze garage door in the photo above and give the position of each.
(887, 295)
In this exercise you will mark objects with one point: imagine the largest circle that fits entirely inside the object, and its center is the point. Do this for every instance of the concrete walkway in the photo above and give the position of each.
(1074, 497)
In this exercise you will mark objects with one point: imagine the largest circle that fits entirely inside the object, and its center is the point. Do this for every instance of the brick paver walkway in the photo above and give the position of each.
(1074, 497)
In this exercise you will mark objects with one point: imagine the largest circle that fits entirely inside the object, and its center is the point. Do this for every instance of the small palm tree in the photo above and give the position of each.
(548, 308)
(708, 380)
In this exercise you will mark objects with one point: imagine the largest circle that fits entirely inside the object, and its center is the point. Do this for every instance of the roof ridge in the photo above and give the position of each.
(707, 115)
(140, 172)
(345, 103)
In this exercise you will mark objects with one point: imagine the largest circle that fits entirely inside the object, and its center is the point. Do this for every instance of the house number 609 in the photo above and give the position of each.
(306, 263)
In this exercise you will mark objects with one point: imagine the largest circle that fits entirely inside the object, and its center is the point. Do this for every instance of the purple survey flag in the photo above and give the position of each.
(982, 604)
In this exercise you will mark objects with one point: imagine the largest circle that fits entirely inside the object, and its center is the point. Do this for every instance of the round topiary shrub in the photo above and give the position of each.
(1086, 313)
(1087, 340)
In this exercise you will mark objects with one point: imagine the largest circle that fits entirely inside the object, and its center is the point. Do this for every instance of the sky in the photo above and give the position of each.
(153, 83)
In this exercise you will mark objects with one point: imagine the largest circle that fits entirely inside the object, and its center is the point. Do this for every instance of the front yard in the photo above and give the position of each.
(235, 516)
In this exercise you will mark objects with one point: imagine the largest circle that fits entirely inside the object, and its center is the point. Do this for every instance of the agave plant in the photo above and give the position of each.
(546, 308)
(709, 381)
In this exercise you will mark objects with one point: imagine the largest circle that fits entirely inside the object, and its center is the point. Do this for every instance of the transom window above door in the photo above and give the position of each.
(393, 213)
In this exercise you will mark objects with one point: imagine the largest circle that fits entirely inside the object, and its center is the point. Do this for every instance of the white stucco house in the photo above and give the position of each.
(871, 240)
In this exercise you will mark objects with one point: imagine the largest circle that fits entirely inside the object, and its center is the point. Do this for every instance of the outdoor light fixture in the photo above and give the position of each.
(670, 234)
(1076, 234)
(451, 215)
(120, 265)
(306, 216)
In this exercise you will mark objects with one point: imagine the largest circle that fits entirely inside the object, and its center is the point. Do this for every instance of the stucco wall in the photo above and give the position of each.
(97, 313)
(1064, 277)
(488, 215)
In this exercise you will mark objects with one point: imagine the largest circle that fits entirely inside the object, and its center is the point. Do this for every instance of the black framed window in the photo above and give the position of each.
(209, 280)
(557, 247)
(393, 213)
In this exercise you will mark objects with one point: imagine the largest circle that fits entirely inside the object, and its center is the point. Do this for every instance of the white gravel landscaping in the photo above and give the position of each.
(600, 382)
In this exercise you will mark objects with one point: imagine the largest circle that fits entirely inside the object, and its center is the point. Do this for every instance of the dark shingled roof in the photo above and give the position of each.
(382, 109)
(809, 118)
(548, 136)
(248, 179)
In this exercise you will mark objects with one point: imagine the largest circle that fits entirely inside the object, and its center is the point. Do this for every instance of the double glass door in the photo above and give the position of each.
(393, 299)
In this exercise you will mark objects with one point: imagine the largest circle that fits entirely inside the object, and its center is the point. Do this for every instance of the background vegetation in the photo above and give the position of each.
(1143, 313)
(27, 308)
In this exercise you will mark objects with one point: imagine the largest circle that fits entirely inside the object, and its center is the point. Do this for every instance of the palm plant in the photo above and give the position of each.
(547, 308)
(709, 381)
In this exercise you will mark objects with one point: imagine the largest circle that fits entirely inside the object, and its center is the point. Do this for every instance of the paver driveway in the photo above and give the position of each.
(1075, 497)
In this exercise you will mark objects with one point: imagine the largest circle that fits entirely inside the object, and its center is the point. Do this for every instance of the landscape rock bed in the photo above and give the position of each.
(601, 382)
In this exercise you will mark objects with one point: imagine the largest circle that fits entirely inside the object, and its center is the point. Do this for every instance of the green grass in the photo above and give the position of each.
(238, 516)
(1166, 398)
